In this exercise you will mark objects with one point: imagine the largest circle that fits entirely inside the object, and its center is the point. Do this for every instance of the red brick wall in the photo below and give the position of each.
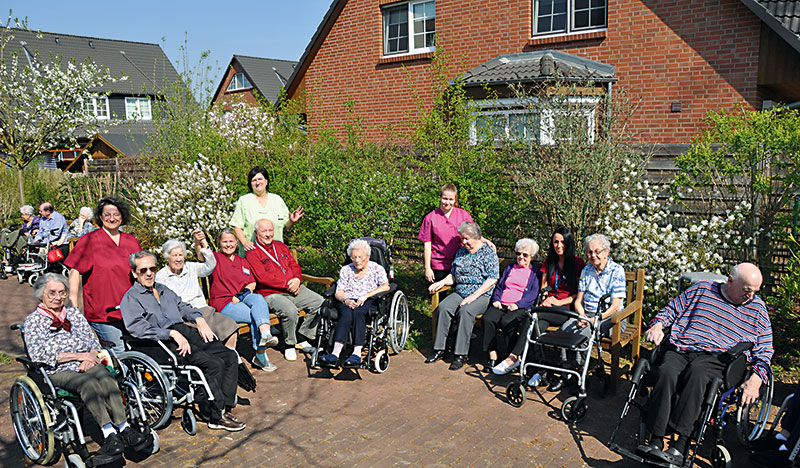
(227, 98)
(702, 53)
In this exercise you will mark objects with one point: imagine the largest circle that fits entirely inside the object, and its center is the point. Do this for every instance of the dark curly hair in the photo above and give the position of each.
(117, 202)
(253, 172)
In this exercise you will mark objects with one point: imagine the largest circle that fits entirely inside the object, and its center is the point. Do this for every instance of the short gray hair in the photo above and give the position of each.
(357, 244)
(138, 255)
(89, 212)
(527, 243)
(171, 245)
(597, 238)
(471, 230)
(41, 283)
(26, 209)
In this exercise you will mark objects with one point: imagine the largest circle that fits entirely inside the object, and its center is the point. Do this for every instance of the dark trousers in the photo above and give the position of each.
(547, 319)
(357, 318)
(512, 322)
(439, 275)
(694, 370)
(218, 363)
(791, 419)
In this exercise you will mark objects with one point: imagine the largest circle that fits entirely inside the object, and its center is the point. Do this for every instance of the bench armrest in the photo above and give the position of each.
(442, 289)
(626, 312)
(326, 280)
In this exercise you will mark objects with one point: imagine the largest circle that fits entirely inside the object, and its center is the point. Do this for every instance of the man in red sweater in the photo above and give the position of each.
(278, 279)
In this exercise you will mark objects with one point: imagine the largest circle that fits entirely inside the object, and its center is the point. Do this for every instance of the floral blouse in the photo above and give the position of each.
(45, 345)
(354, 287)
(471, 270)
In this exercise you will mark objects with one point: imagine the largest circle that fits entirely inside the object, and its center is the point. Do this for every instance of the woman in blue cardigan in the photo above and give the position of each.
(515, 292)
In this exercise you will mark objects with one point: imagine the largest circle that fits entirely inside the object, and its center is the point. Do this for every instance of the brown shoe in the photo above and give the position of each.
(229, 415)
(227, 424)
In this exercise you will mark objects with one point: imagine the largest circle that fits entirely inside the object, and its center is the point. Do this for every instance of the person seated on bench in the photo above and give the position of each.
(52, 226)
(278, 278)
(600, 277)
(705, 321)
(475, 271)
(60, 337)
(514, 294)
(772, 451)
(183, 278)
(358, 283)
(151, 311)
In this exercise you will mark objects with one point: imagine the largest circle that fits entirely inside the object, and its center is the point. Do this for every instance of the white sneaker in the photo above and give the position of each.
(503, 368)
(290, 354)
(535, 380)
(305, 347)
(267, 341)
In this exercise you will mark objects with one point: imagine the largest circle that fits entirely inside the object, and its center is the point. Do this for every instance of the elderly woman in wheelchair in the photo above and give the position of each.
(61, 345)
(358, 283)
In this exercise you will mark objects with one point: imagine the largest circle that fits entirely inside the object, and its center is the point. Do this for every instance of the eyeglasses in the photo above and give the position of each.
(523, 254)
(111, 216)
(144, 270)
(55, 294)
(596, 253)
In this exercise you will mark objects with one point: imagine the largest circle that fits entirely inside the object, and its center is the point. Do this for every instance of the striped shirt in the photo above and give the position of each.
(703, 320)
(595, 285)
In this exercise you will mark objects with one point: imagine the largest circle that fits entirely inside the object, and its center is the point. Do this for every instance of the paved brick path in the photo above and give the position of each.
(413, 415)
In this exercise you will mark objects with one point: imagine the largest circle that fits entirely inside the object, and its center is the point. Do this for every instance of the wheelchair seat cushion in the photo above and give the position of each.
(562, 339)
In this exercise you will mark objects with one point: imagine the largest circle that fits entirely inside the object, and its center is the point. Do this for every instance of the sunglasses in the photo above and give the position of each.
(144, 270)
(524, 254)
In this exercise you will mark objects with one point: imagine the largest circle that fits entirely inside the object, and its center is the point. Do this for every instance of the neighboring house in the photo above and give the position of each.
(132, 100)
(676, 59)
(252, 78)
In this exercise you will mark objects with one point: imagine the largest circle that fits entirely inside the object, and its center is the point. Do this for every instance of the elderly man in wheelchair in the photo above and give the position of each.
(709, 324)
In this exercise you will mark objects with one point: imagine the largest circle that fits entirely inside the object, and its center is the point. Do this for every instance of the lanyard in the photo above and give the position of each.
(558, 279)
(275, 258)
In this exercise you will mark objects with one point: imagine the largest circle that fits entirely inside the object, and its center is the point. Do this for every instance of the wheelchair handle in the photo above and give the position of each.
(16, 326)
(543, 294)
(603, 303)
(642, 366)
(593, 321)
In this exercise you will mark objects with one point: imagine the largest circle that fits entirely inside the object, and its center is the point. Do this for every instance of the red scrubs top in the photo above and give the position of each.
(227, 279)
(105, 272)
(565, 288)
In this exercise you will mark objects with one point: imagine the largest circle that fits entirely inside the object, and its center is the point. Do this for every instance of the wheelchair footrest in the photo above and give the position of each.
(640, 459)
(562, 339)
(101, 460)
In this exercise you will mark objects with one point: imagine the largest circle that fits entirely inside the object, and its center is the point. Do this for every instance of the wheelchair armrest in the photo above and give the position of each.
(30, 364)
(107, 344)
(381, 295)
(738, 350)
(330, 292)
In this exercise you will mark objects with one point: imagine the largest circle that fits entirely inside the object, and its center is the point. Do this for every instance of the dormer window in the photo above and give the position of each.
(238, 82)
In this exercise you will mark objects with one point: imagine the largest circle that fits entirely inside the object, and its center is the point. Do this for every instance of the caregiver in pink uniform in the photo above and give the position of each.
(439, 233)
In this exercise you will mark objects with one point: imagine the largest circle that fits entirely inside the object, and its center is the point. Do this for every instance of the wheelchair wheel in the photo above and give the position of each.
(32, 279)
(143, 373)
(720, 457)
(398, 320)
(752, 420)
(156, 443)
(73, 460)
(381, 361)
(574, 409)
(31, 420)
(515, 394)
(189, 422)
(20, 278)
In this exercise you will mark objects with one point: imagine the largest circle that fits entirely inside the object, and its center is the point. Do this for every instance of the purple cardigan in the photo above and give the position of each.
(530, 293)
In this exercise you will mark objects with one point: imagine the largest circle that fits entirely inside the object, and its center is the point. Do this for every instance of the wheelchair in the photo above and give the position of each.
(574, 408)
(13, 248)
(36, 263)
(47, 419)
(387, 321)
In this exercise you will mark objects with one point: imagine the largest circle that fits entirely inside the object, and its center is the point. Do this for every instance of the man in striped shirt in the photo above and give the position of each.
(706, 320)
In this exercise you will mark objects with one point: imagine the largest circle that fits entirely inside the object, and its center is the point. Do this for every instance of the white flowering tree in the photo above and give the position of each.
(244, 125)
(641, 237)
(194, 195)
(41, 103)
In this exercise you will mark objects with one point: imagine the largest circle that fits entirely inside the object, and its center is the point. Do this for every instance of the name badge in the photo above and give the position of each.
(246, 271)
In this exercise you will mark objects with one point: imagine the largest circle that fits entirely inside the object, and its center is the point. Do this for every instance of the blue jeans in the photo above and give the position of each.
(110, 331)
(253, 310)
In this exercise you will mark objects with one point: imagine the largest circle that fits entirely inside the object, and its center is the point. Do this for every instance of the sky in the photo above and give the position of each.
(262, 28)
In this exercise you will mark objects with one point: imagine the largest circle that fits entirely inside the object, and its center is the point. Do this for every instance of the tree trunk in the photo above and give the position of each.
(21, 187)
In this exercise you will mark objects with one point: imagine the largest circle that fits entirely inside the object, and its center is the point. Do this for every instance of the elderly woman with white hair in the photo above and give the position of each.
(358, 283)
(30, 222)
(183, 278)
(514, 294)
(474, 273)
(82, 224)
(599, 277)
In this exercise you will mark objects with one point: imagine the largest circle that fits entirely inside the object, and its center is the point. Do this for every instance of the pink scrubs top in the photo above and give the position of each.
(442, 233)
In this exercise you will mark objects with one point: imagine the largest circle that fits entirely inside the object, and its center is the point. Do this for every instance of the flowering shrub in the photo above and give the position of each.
(637, 226)
(245, 125)
(196, 195)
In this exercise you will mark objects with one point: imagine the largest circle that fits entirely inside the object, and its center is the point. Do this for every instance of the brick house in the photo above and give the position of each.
(248, 78)
(678, 58)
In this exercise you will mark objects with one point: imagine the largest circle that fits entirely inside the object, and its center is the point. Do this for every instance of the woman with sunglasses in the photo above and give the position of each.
(515, 292)
(99, 262)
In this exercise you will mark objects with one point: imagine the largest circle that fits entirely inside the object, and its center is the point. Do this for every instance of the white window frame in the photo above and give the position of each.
(232, 86)
(410, 9)
(142, 112)
(509, 106)
(95, 103)
(569, 28)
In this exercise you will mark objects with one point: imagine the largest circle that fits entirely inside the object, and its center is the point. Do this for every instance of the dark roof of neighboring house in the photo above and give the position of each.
(129, 138)
(145, 65)
(268, 76)
(538, 65)
(782, 16)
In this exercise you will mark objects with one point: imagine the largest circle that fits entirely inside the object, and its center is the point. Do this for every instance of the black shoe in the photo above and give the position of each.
(131, 437)
(437, 356)
(113, 445)
(458, 362)
(556, 385)
(772, 459)
(490, 364)
(767, 442)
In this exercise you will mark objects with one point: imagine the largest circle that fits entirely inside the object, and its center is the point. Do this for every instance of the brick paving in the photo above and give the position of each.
(413, 415)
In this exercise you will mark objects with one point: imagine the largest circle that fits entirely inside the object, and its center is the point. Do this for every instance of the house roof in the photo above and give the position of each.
(782, 16)
(538, 65)
(129, 138)
(145, 65)
(268, 76)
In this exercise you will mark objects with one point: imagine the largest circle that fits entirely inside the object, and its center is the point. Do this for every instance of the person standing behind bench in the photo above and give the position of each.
(153, 312)
(278, 278)
(439, 234)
